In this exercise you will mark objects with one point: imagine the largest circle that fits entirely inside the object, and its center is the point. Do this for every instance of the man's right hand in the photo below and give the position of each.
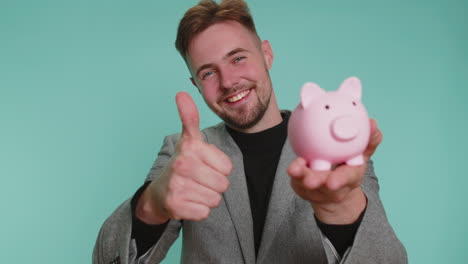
(192, 181)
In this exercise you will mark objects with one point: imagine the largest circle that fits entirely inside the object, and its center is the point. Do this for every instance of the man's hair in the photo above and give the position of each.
(207, 13)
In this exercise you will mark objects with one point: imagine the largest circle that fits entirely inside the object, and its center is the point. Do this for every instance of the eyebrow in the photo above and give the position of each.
(234, 51)
(229, 54)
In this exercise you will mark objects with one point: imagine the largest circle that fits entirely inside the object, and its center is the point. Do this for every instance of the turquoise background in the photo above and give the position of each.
(87, 93)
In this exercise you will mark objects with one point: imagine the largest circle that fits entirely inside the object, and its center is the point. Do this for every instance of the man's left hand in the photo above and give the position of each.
(336, 196)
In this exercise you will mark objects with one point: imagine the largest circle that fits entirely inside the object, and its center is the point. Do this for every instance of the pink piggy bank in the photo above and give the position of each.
(329, 128)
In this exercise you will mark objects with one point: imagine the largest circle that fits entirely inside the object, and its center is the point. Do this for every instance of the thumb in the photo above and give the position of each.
(374, 140)
(189, 116)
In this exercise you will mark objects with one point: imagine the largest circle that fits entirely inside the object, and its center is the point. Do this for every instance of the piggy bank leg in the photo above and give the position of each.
(356, 161)
(320, 165)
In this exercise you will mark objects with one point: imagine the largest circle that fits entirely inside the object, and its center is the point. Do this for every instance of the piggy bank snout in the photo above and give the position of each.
(344, 128)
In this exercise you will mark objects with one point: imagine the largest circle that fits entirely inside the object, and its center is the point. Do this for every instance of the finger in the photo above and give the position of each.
(375, 139)
(210, 178)
(315, 179)
(202, 195)
(373, 125)
(189, 116)
(215, 158)
(345, 176)
(191, 168)
(313, 195)
(191, 211)
(298, 187)
(298, 168)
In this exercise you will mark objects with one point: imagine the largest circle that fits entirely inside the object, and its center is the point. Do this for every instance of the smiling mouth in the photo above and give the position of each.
(239, 96)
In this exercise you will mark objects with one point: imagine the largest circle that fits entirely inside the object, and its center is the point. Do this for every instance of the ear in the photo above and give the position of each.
(195, 84)
(267, 53)
(309, 92)
(351, 86)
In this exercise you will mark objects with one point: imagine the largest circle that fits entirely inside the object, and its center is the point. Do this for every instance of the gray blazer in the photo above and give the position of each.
(290, 233)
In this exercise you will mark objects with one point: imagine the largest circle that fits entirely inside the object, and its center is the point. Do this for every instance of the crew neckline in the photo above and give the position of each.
(269, 139)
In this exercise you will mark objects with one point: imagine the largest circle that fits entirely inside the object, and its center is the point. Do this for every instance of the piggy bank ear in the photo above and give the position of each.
(351, 86)
(309, 92)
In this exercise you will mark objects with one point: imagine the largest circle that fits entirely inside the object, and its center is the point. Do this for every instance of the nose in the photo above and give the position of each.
(344, 128)
(228, 78)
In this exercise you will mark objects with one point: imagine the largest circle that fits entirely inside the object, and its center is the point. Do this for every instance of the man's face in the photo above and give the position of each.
(229, 65)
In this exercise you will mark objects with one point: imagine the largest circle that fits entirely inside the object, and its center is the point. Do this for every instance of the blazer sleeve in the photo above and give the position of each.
(114, 243)
(375, 241)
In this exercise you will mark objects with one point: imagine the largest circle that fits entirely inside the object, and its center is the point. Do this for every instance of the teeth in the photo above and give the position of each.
(238, 97)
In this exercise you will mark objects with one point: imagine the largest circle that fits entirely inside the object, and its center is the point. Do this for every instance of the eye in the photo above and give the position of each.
(206, 75)
(327, 107)
(354, 103)
(238, 59)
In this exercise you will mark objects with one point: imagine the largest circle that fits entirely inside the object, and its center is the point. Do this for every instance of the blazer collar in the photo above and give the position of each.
(281, 201)
(237, 197)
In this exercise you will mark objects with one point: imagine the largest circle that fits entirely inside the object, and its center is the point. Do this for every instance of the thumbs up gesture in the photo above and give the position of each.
(193, 180)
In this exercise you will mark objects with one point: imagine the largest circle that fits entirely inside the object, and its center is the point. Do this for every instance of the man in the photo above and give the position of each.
(236, 189)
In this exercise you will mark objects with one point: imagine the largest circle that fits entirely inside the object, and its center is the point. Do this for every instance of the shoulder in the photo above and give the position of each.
(214, 132)
(208, 133)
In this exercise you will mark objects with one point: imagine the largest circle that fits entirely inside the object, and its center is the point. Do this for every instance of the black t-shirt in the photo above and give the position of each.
(261, 152)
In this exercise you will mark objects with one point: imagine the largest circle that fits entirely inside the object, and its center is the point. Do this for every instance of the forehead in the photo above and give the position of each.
(217, 40)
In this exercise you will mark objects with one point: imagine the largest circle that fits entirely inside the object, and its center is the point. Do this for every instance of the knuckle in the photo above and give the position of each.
(216, 201)
(176, 184)
(182, 165)
(224, 185)
(338, 198)
(202, 214)
(205, 213)
(212, 203)
(177, 164)
(228, 166)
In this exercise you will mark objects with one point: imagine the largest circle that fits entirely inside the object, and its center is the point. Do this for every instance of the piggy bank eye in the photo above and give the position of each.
(354, 103)
(327, 107)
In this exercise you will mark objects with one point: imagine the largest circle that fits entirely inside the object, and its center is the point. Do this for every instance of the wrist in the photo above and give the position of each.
(344, 212)
(148, 209)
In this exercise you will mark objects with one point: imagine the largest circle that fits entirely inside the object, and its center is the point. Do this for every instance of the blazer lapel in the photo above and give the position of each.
(282, 197)
(237, 197)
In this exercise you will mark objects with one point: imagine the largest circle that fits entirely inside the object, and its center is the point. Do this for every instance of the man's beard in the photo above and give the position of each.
(248, 119)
